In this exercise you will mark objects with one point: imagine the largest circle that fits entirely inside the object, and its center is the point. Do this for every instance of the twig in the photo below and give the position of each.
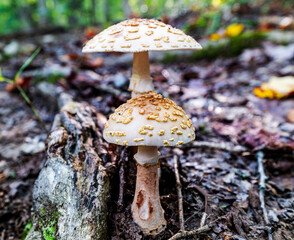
(122, 181)
(203, 229)
(262, 178)
(202, 222)
(221, 146)
(204, 194)
(180, 196)
(184, 234)
(187, 220)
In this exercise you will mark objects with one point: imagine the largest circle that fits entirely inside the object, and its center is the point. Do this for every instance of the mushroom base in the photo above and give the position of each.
(146, 208)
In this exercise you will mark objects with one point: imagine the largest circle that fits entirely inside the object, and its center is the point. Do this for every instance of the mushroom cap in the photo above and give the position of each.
(149, 120)
(140, 35)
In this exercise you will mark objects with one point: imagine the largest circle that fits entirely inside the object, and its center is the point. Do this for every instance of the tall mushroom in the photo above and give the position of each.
(139, 36)
(148, 121)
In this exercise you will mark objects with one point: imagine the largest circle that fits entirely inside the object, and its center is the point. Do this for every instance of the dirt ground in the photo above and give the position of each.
(219, 171)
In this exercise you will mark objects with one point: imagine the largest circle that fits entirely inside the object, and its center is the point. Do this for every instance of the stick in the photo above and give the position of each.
(262, 178)
(180, 196)
(187, 220)
(122, 181)
(204, 194)
(202, 222)
(221, 146)
(183, 234)
(203, 229)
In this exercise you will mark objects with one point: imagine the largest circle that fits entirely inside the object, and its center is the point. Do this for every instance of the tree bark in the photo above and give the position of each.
(71, 193)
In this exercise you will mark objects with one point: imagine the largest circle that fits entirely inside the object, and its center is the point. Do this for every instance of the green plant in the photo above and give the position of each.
(26, 230)
(48, 225)
(224, 48)
(49, 233)
(22, 92)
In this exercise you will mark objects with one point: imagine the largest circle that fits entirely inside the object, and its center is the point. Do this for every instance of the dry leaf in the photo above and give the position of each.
(290, 116)
(21, 81)
(277, 87)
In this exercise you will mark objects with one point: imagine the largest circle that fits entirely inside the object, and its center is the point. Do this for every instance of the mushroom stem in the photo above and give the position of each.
(141, 81)
(146, 208)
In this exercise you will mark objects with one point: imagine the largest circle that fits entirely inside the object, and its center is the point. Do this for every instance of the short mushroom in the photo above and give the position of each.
(140, 36)
(148, 121)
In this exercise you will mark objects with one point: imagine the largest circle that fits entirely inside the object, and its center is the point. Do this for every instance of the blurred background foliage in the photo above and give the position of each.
(208, 16)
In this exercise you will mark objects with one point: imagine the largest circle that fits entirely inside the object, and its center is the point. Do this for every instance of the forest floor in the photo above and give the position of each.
(218, 171)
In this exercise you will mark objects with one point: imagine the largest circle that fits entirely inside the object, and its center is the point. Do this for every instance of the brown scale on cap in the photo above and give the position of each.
(149, 120)
(138, 35)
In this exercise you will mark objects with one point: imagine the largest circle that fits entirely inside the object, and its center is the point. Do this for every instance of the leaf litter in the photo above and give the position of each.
(219, 98)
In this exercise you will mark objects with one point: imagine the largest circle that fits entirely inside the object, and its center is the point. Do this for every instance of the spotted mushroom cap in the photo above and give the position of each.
(149, 120)
(140, 35)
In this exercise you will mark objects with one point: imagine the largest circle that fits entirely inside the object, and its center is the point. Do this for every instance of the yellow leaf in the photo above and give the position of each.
(215, 36)
(234, 30)
(277, 87)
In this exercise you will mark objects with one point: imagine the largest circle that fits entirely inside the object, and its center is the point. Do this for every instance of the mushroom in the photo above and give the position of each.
(140, 36)
(148, 121)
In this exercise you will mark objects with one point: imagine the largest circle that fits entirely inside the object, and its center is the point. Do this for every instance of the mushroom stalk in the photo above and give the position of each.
(146, 208)
(141, 81)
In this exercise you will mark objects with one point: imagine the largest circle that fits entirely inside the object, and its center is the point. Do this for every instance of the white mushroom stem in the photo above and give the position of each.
(146, 208)
(141, 81)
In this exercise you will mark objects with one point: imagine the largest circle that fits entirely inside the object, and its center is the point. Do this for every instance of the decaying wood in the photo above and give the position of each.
(72, 190)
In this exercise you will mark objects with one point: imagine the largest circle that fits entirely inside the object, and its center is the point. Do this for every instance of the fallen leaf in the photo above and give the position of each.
(97, 62)
(70, 56)
(229, 178)
(215, 36)
(279, 53)
(92, 64)
(90, 33)
(234, 30)
(277, 87)
(21, 81)
(259, 138)
(290, 116)
(252, 56)
(286, 22)
(229, 129)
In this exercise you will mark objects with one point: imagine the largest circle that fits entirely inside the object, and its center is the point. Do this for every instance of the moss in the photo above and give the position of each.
(170, 57)
(227, 47)
(49, 232)
(26, 230)
(230, 47)
(47, 224)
